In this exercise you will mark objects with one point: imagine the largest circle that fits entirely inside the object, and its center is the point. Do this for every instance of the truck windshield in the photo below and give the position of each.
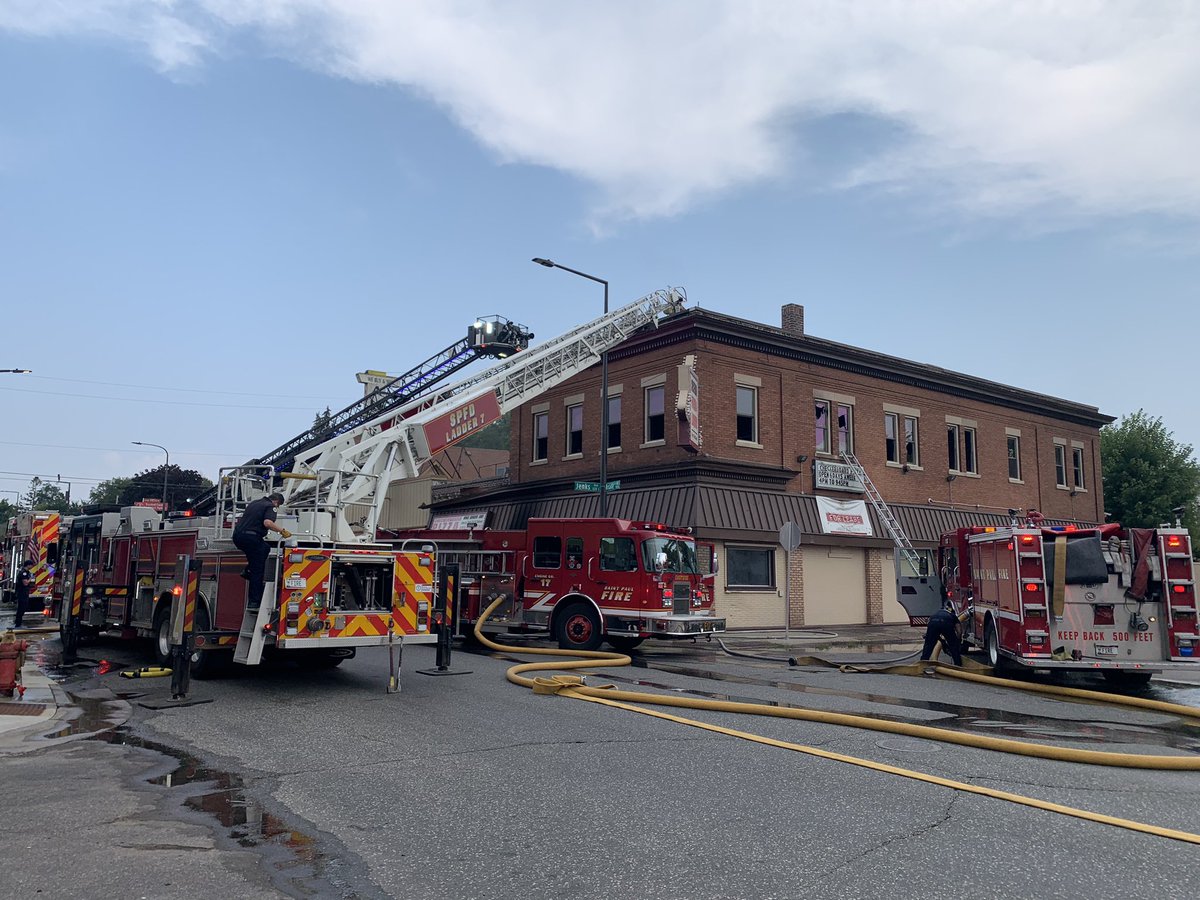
(681, 555)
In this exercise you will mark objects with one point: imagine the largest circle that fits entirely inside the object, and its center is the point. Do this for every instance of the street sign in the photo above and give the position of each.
(593, 487)
(789, 536)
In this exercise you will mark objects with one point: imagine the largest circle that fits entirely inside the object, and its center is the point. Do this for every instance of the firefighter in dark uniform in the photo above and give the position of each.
(249, 536)
(946, 627)
(24, 585)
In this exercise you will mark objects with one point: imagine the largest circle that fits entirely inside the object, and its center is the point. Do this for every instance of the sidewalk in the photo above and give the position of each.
(39, 702)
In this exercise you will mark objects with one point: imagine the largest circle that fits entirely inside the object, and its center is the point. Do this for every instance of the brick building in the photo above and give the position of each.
(735, 427)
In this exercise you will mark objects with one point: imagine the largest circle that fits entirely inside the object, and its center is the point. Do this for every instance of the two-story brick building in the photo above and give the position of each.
(735, 428)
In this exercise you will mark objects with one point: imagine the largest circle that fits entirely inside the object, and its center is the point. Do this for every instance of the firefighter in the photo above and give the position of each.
(946, 627)
(24, 585)
(249, 536)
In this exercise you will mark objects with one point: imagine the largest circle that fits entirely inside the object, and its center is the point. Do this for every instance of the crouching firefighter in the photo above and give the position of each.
(946, 627)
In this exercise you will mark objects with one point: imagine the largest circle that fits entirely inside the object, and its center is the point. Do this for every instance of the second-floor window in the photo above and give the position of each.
(575, 429)
(614, 422)
(900, 439)
(1014, 457)
(1060, 465)
(541, 436)
(747, 414)
(1077, 467)
(961, 448)
(823, 435)
(655, 420)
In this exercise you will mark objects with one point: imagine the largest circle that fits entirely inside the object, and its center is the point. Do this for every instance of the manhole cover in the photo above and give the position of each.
(909, 745)
(21, 709)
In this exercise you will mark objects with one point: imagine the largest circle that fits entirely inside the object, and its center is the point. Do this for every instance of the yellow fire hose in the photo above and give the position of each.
(575, 688)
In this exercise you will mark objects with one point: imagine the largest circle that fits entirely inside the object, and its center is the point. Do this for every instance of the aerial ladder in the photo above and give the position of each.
(355, 468)
(488, 336)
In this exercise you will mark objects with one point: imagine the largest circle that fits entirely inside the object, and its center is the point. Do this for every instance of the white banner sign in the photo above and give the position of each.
(844, 516)
(468, 521)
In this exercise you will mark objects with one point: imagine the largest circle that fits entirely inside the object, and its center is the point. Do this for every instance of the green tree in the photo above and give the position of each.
(321, 420)
(108, 493)
(494, 437)
(1147, 473)
(47, 496)
(182, 484)
(7, 511)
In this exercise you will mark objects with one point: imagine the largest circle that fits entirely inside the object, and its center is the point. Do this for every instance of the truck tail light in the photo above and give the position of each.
(292, 621)
(1104, 615)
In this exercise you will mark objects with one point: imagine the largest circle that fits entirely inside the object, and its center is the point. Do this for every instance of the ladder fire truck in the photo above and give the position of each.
(334, 587)
(582, 581)
(31, 536)
(1120, 601)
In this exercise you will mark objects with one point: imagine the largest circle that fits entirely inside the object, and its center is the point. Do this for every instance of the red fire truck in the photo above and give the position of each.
(581, 580)
(322, 602)
(1116, 600)
(31, 536)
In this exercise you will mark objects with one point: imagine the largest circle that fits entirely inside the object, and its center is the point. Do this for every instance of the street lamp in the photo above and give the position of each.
(550, 264)
(17, 371)
(166, 468)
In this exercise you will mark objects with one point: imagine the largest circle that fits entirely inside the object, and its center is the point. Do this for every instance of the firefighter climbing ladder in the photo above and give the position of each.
(890, 522)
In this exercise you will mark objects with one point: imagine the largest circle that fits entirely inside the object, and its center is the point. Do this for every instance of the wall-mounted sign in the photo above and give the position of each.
(372, 380)
(687, 404)
(467, 521)
(844, 516)
(834, 476)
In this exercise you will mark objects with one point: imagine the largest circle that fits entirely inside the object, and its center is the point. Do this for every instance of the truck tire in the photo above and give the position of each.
(991, 641)
(623, 644)
(207, 663)
(578, 628)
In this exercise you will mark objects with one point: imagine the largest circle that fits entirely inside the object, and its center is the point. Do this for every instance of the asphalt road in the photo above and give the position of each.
(295, 783)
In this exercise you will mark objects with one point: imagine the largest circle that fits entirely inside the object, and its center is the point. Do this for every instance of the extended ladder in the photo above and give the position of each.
(890, 522)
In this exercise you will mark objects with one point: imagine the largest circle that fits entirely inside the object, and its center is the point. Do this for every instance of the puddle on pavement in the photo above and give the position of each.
(296, 864)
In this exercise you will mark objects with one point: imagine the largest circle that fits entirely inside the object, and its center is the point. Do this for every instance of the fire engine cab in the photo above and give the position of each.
(1115, 600)
(581, 580)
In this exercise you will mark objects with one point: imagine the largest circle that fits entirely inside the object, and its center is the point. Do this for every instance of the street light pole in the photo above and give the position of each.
(550, 264)
(166, 468)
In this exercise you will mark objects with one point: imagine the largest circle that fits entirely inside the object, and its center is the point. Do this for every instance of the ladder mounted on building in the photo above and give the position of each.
(894, 529)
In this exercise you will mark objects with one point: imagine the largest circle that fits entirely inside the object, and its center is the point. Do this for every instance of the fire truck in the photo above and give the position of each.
(334, 587)
(581, 580)
(31, 536)
(1121, 601)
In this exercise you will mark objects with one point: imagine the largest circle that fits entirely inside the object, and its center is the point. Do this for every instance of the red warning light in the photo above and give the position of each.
(177, 590)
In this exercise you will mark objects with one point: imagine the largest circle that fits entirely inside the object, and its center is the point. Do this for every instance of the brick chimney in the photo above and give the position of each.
(793, 319)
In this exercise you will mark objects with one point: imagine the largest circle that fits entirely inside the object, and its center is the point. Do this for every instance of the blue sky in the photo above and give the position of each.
(213, 214)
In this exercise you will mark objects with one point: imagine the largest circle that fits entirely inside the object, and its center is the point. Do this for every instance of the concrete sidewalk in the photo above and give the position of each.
(40, 701)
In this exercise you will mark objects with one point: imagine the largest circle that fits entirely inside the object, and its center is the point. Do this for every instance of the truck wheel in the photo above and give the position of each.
(624, 644)
(991, 641)
(208, 663)
(578, 628)
(162, 634)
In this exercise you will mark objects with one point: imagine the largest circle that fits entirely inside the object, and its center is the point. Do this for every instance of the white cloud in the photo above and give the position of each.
(997, 108)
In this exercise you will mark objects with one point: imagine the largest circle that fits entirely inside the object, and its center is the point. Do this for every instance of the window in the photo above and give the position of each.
(617, 554)
(681, 555)
(747, 414)
(655, 420)
(614, 423)
(1060, 465)
(845, 432)
(912, 453)
(968, 457)
(1014, 457)
(952, 447)
(575, 430)
(750, 567)
(541, 434)
(1077, 466)
(905, 453)
(547, 552)
(822, 426)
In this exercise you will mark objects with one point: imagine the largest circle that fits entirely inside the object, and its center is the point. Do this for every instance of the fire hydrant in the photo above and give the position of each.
(12, 657)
